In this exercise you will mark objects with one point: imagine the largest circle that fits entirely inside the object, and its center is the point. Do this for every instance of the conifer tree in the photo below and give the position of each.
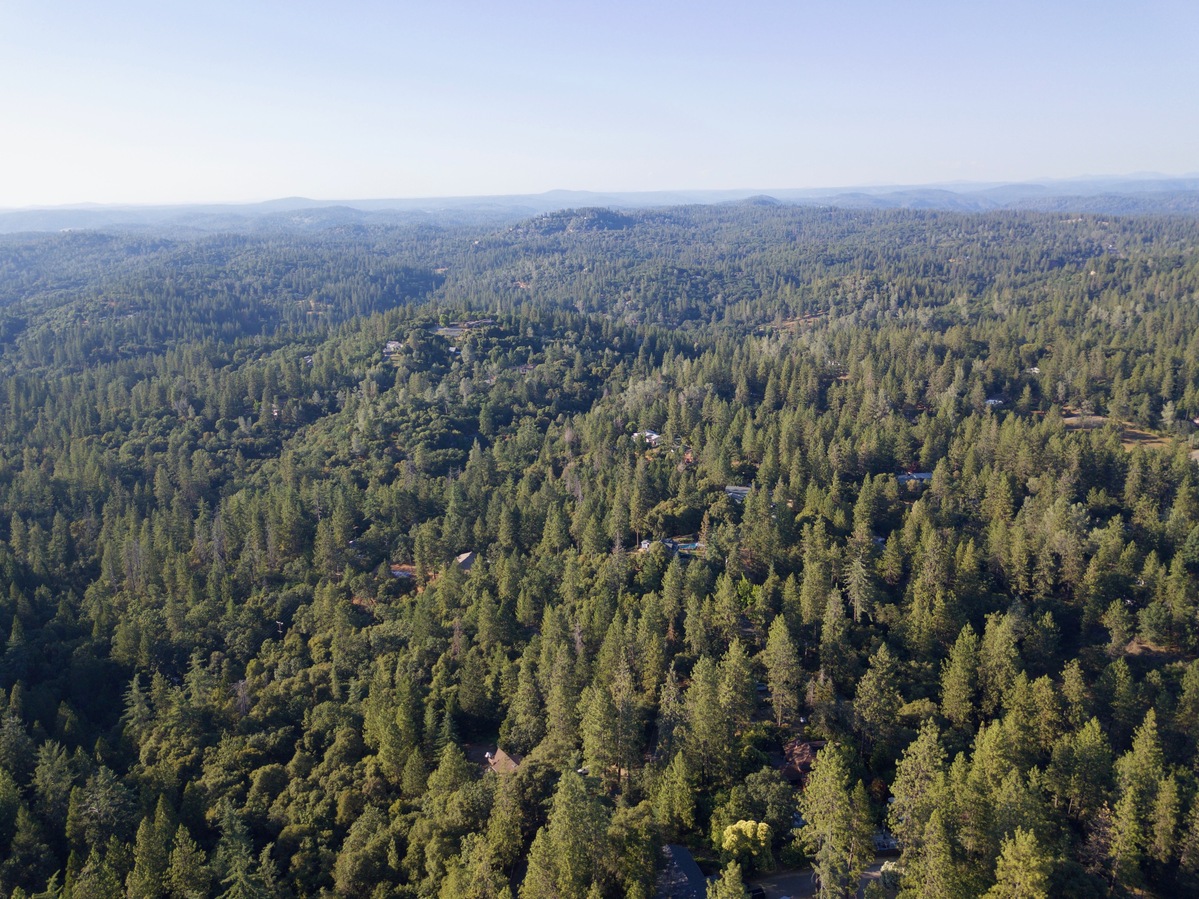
(674, 801)
(933, 873)
(877, 701)
(959, 679)
(729, 885)
(1163, 821)
(188, 875)
(838, 829)
(151, 855)
(736, 692)
(919, 790)
(566, 856)
(783, 672)
(1023, 869)
(708, 728)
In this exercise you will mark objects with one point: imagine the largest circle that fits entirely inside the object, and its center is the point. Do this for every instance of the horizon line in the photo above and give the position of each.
(880, 186)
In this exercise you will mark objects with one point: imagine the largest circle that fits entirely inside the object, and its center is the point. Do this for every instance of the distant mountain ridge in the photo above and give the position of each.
(1134, 195)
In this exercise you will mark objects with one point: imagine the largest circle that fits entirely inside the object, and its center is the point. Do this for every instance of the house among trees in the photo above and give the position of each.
(404, 572)
(914, 477)
(884, 842)
(466, 560)
(798, 757)
(503, 762)
(653, 438)
(736, 494)
(670, 546)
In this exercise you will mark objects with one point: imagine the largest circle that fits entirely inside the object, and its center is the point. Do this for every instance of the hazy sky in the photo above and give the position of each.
(231, 101)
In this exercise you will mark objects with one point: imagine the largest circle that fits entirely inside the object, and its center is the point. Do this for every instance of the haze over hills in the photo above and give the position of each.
(1129, 195)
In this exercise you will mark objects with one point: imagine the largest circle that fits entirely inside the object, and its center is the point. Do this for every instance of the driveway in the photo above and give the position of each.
(798, 882)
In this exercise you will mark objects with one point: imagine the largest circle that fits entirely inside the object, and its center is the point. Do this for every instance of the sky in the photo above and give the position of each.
(170, 102)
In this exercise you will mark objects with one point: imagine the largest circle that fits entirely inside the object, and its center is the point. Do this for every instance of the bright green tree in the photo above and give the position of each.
(748, 843)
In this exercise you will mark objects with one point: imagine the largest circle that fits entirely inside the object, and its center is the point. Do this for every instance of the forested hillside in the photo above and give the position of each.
(295, 526)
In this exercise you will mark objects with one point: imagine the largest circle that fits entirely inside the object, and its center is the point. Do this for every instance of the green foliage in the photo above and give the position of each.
(783, 672)
(568, 853)
(729, 885)
(748, 843)
(236, 472)
(1022, 871)
(838, 830)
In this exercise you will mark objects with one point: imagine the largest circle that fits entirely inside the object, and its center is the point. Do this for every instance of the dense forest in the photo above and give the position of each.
(296, 526)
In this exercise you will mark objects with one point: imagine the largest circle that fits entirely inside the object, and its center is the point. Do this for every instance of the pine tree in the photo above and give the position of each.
(709, 732)
(959, 680)
(52, 783)
(361, 864)
(524, 727)
(151, 855)
(783, 672)
(877, 702)
(1163, 844)
(1188, 848)
(235, 860)
(892, 563)
(567, 852)
(838, 830)
(10, 802)
(27, 862)
(97, 879)
(729, 885)
(188, 876)
(415, 775)
(918, 789)
(504, 839)
(836, 657)
(1081, 770)
(933, 873)
(562, 709)
(1139, 770)
(475, 875)
(737, 695)
(671, 715)
(859, 585)
(1127, 841)
(601, 738)
(1023, 868)
(674, 801)
(999, 661)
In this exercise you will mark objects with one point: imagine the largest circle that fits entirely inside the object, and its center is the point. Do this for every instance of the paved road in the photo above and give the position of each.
(798, 883)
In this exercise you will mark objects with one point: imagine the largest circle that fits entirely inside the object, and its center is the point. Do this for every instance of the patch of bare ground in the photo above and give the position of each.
(1139, 646)
(794, 324)
(1130, 435)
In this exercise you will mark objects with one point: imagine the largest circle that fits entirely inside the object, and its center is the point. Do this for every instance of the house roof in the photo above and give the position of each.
(681, 878)
(502, 762)
(798, 757)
